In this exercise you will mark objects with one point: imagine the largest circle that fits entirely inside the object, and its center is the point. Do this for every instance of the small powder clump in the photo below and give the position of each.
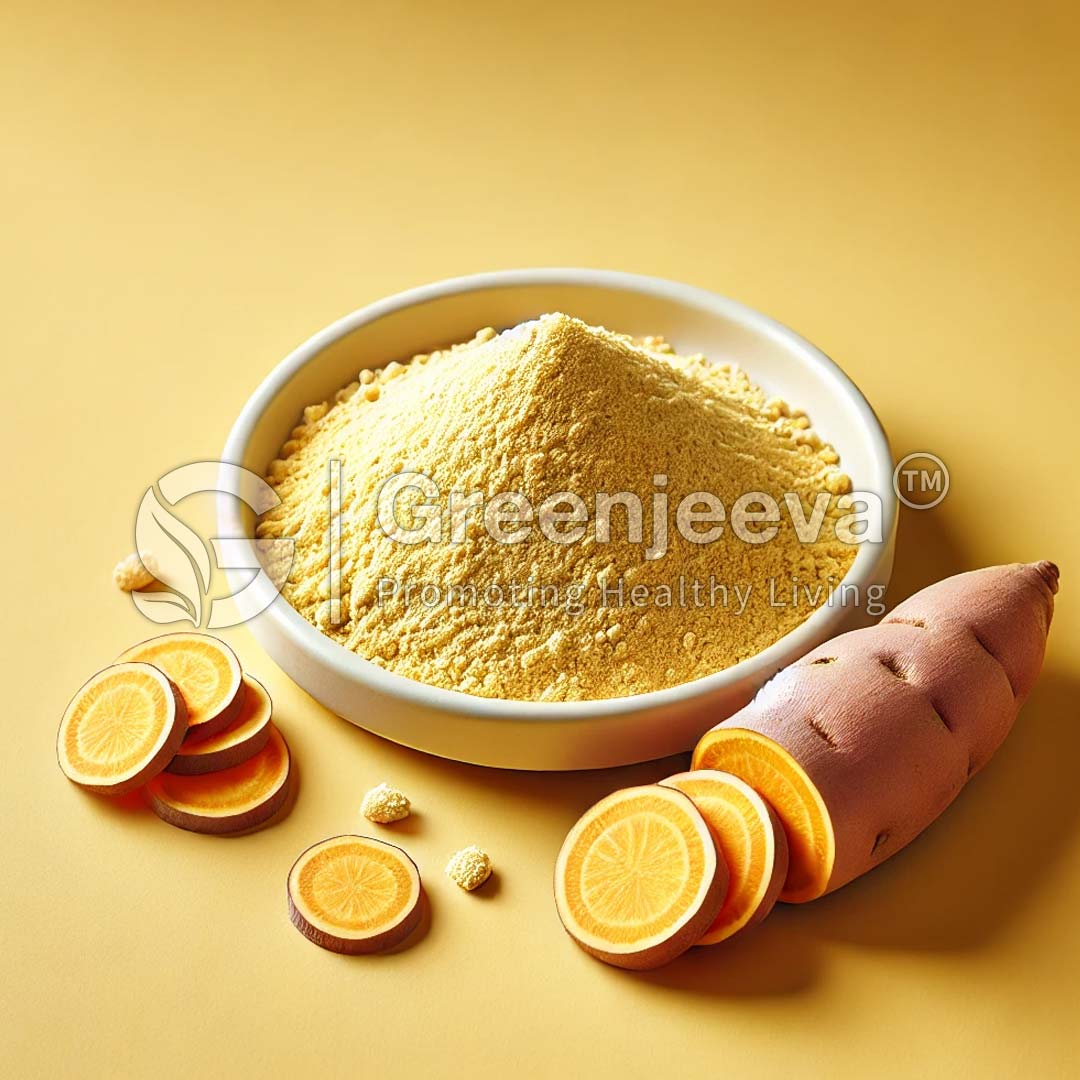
(470, 867)
(385, 804)
(505, 586)
(133, 572)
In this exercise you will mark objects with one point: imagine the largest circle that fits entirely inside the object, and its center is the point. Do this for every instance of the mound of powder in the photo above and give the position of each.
(552, 406)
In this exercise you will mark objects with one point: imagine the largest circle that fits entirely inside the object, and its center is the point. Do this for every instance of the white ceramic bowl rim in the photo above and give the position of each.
(347, 664)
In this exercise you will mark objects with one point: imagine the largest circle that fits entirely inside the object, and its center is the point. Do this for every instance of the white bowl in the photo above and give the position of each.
(551, 735)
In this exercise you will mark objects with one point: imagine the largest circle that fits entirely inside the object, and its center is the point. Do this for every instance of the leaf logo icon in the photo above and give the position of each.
(182, 564)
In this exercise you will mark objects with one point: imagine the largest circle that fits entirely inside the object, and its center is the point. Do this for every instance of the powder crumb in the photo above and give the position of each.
(385, 804)
(470, 867)
(133, 572)
(838, 483)
(775, 408)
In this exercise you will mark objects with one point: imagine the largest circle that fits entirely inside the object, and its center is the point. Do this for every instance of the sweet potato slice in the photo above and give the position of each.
(864, 742)
(354, 894)
(242, 739)
(228, 801)
(638, 879)
(751, 841)
(207, 672)
(771, 771)
(121, 729)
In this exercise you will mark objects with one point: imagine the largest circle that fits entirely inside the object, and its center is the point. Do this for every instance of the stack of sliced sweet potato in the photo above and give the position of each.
(840, 760)
(177, 717)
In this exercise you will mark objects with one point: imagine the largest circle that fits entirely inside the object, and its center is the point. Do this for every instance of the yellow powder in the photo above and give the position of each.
(555, 406)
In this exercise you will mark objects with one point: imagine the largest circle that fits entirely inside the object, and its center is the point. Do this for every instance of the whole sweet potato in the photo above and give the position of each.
(864, 742)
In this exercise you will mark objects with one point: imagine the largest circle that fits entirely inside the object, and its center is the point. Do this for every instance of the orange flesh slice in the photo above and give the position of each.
(746, 838)
(242, 739)
(354, 894)
(775, 775)
(120, 729)
(635, 876)
(206, 671)
(229, 800)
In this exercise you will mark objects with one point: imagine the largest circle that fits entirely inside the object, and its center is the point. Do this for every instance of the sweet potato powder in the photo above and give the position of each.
(549, 406)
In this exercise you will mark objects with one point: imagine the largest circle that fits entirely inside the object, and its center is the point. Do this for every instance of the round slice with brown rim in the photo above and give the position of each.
(207, 672)
(121, 729)
(242, 739)
(775, 775)
(354, 894)
(750, 839)
(638, 879)
(228, 801)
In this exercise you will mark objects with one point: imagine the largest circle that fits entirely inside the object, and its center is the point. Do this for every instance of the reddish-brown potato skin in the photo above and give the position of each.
(388, 939)
(891, 722)
(223, 826)
(220, 722)
(779, 874)
(197, 765)
(687, 936)
(188, 764)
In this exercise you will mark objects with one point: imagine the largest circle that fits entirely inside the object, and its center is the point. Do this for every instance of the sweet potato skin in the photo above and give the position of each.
(890, 722)
(221, 826)
(253, 694)
(231, 823)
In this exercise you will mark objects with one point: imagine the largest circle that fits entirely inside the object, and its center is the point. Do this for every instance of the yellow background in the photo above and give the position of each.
(190, 189)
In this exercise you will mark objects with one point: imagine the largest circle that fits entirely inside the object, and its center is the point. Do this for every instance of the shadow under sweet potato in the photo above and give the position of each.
(775, 958)
(132, 803)
(976, 867)
(423, 927)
